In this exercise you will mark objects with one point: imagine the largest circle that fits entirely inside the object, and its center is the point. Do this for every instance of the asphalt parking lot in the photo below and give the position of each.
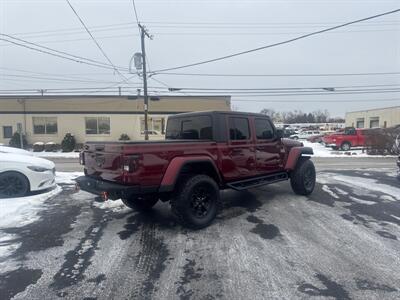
(342, 242)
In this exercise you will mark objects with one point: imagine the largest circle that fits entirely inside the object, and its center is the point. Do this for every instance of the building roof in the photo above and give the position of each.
(128, 97)
(373, 109)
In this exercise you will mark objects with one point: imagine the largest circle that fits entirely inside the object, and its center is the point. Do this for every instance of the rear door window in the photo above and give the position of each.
(191, 128)
(239, 129)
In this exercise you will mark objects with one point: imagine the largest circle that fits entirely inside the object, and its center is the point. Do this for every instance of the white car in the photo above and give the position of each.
(21, 174)
(6, 149)
(303, 135)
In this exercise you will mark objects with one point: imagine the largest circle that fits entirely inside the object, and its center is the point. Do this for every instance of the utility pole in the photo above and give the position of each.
(143, 34)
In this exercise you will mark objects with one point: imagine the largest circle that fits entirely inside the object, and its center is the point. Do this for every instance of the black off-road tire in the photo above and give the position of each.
(302, 179)
(13, 185)
(141, 203)
(346, 146)
(196, 202)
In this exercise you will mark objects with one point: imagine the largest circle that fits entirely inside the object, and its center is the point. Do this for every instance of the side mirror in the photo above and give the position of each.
(279, 133)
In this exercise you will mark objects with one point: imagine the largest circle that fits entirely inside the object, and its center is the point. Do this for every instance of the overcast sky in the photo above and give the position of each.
(189, 31)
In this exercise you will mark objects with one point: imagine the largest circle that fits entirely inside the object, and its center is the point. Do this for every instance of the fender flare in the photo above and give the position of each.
(294, 155)
(174, 169)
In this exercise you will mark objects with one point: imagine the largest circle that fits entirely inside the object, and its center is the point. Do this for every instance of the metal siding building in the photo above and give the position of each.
(94, 118)
(381, 117)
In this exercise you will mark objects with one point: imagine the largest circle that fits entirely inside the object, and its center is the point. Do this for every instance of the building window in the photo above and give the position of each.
(154, 125)
(7, 132)
(373, 122)
(239, 129)
(360, 123)
(45, 125)
(97, 125)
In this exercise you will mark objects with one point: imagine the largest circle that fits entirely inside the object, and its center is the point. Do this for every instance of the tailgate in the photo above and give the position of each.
(104, 160)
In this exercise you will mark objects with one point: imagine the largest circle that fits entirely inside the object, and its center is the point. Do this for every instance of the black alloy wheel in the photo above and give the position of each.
(197, 201)
(309, 178)
(200, 201)
(303, 177)
(13, 184)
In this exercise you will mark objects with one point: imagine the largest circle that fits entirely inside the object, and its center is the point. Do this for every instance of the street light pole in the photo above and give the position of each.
(143, 34)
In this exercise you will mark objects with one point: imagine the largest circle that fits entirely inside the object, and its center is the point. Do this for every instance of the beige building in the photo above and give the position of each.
(373, 118)
(95, 118)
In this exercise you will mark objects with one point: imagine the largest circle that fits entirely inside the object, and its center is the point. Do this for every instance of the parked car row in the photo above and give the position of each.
(22, 173)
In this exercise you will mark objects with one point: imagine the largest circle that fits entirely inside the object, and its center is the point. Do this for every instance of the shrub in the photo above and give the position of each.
(124, 137)
(51, 147)
(38, 147)
(16, 142)
(68, 143)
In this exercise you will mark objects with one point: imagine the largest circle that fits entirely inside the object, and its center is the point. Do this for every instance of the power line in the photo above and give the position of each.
(277, 75)
(213, 33)
(136, 14)
(328, 87)
(313, 94)
(53, 76)
(54, 54)
(317, 101)
(95, 41)
(280, 43)
(61, 79)
(213, 25)
(57, 53)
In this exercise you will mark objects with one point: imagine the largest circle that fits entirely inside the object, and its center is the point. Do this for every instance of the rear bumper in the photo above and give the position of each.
(114, 190)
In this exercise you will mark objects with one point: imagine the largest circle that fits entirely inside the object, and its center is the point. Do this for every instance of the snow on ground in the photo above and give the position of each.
(56, 154)
(67, 177)
(322, 151)
(17, 212)
(363, 185)
(7, 149)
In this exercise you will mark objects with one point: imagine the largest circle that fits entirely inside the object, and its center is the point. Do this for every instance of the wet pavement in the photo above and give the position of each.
(342, 242)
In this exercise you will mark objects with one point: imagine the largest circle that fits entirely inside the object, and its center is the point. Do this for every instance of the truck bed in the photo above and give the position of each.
(105, 159)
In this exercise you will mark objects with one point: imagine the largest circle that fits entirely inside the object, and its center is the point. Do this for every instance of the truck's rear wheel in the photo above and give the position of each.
(141, 202)
(302, 179)
(196, 202)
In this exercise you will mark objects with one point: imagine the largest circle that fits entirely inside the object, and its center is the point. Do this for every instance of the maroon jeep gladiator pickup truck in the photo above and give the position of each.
(203, 152)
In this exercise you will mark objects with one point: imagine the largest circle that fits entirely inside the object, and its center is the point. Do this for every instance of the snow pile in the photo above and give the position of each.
(113, 205)
(16, 212)
(321, 151)
(67, 177)
(58, 154)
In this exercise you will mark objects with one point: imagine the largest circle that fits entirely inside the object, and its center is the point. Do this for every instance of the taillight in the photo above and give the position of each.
(82, 158)
(130, 163)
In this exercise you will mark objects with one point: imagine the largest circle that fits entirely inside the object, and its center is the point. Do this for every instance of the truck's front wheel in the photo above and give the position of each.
(141, 202)
(346, 146)
(196, 201)
(303, 177)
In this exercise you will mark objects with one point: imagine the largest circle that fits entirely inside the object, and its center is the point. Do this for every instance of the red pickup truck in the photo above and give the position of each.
(203, 152)
(346, 139)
